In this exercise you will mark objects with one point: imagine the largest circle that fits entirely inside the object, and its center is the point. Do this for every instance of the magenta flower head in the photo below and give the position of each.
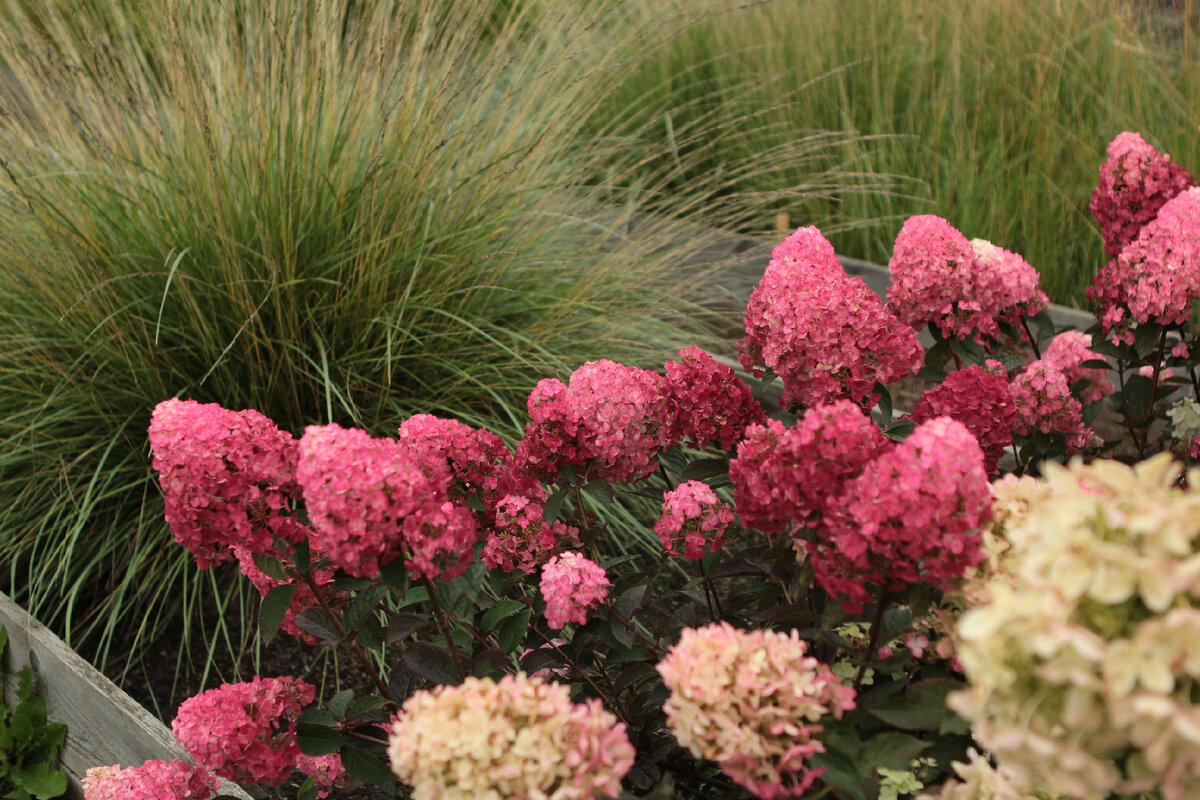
(1160, 269)
(373, 500)
(1044, 404)
(153, 780)
(784, 478)
(478, 458)
(752, 703)
(1135, 182)
(520, 539)
(828, 336)
(1067, 352)
(571, 586)
(913, 516)
(710, 402)
(693, 516)
(226, 477)
(245, 732)
(963, 288)
(519, 737)
(982, 400)
(611, 420)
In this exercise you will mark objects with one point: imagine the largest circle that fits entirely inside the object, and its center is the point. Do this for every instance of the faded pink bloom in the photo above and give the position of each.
(1042, 396)
(520, 737)
(751, 702)
(695, 517)
(1067, 352)
(571, 586)
(327, 771)
(153, 780)
(245, 732)
(825, 334)
(1135, 182)
(964, 288)
(913, 516)
(520, 538)
(1194, 448)
(709, 401)
(228, 478)
(1180, 350)
(784, 478)
(610, 420)
(373, 500)
(981, 399)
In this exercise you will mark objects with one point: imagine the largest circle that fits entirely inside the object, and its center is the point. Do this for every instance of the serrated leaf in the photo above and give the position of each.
(271, 566)
(512, 632)
(366, 767)
(502, 610)
(553, 506)
(892, 751)
(313, 622)
(432, 662)
(339, 703)
(402, 624)
(272, 609)
(362, 605)
(317, 740)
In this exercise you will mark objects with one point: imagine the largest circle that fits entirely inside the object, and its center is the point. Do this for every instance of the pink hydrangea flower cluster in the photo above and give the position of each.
(1135, 182)
(572, 585)
(610, 419)
(752, 702)
(478, 458)
(913, 516)
(1044, 404)
(980, 398)
(226, 477)
(827, 335)
(963, 288)
(153, 780)
(709, 401)
(695, 517)
(1067, 352)
(784, 478)
(245, 732)
(327, 771)
(303, 599)
(519, 737)
(373, 500)
(521, 539)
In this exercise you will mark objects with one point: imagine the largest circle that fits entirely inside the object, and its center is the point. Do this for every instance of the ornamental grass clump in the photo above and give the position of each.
(1081, 653)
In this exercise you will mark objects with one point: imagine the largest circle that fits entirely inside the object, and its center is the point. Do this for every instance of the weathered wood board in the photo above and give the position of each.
(104, 725)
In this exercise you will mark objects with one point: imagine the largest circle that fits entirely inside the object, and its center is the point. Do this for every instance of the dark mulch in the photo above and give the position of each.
(161, 679)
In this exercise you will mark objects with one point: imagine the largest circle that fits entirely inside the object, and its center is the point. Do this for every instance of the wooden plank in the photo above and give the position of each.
(104, 724)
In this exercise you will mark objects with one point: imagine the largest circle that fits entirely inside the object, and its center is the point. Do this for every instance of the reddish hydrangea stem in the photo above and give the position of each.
(365, 738)
(1195, 384)
(876, 626)
(343, 635)
(662, 470)
(1037, 353)
(710, 593)
(587, 678)
(444, 625)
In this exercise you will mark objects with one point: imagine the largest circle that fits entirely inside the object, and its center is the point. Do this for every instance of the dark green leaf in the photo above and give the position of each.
(351, 584)
(502, 610)
(432, 662)
(317, 716)
(1146, 338)
(921, 708)
(41, 780)
(307, 790)
(842, 774)
(340, 702)
(401, 684)
(317, 740)
(968, 351)
(900, 430)
(704, 468)
(314, 623)
(272, 567)
(1136, 396)
(512, 632)
(601, 490)
(885, 401)
(365, 705)
(896, 621)
(366, 767)
(1096, 363)
(892, 751)
(553, 506)
(362, 605)
(402, 624)
(270, 612)
(630, 600)
(394, 573)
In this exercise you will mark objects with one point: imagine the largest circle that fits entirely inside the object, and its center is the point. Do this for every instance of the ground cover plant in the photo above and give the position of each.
(990, 114)
(846, 603)
(336, 211)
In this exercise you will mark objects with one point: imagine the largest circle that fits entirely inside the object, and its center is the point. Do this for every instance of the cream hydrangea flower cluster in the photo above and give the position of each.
(979, 780)
(1082, 649)
(518, 738)
(752, 702)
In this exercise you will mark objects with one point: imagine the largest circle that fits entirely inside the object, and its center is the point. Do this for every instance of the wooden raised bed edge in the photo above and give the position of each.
(104, 724)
